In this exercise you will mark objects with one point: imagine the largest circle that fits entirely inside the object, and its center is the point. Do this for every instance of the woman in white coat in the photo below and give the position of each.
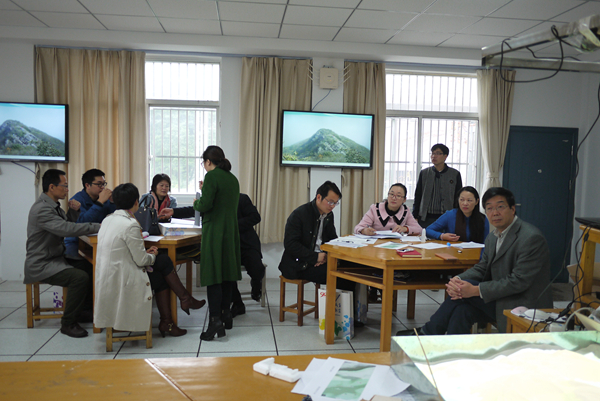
(127, 273)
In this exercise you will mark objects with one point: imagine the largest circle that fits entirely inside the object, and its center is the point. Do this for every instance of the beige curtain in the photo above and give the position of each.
(107, 112)
(364, 92)
(495, 97)
(270, 85)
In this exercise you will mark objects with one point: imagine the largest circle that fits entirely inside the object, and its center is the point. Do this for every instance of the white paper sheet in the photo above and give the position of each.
(392, 245)
(153, 238)
(411, 239)
(346, 244)
(354, 381)
(468, 245)
(429, 245)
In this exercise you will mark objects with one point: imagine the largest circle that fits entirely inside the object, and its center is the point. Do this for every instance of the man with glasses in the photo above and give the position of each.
(309, 226)
(45, 262)
(437, 188)
(514, 270)
(96, 204)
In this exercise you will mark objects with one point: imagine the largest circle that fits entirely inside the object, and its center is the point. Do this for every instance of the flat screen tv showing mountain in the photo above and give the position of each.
(34, 132)
(316, 139)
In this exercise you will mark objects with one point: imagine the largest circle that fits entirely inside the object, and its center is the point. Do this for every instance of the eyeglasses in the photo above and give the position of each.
(100, 184)
(396, 196)
(499, 208)
(63, 185)
(437, 154)
(330, 203)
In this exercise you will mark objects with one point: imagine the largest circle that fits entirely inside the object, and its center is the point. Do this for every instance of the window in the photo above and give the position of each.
(423, 110)
(183, 105)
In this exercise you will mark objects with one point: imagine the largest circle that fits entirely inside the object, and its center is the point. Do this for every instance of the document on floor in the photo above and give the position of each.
(339, 379)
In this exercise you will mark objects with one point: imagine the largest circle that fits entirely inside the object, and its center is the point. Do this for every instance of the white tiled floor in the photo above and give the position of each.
(257, 333)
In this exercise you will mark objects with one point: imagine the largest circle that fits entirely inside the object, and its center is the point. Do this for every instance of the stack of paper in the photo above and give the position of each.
(179, 227)
(339, 379)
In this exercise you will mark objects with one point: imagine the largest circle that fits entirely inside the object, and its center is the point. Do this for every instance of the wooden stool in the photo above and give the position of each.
(110, 338)
(482, 327)
(298, 307)
(34, 311)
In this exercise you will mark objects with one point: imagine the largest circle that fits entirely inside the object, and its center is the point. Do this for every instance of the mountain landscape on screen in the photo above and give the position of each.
(17, 138)
(327, 146)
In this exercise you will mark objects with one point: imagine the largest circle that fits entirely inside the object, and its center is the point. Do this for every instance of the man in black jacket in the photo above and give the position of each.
(309, 226)
(248, 217)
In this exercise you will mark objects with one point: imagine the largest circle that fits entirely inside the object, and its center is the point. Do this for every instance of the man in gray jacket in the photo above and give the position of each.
(514, 270)
(45, 262)
(437, 188)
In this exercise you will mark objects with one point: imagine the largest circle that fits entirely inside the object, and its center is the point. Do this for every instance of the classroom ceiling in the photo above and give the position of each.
(463, 24)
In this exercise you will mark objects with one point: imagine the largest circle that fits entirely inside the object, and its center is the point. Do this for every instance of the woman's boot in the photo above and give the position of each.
(227, 319)
(185, 298)
(166, 324)
(215, 326)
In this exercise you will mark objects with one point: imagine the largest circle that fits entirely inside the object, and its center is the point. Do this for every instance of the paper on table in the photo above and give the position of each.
(153, 238)
(429, 245)
(392, 245)
(411, 239)
(346, 244)
(367, 380)
(468, 245)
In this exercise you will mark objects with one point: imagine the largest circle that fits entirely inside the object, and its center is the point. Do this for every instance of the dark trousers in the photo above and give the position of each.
(219, 297)
(78, 281)
(458, 317)
(318, 274)
(252, 261)
(429, 220)
(161, 267)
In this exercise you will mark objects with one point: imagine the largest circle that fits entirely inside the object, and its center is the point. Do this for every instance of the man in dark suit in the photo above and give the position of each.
(514, 270)
(248, 217)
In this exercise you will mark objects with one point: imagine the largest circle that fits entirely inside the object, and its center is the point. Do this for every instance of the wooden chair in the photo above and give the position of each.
(298, 307)
(34, 310)
(111, 338)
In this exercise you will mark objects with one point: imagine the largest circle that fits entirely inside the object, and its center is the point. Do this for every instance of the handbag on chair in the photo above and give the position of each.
(148, 219)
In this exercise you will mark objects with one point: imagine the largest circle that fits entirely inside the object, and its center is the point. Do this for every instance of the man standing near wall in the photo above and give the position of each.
(45, 262)
(437, 188)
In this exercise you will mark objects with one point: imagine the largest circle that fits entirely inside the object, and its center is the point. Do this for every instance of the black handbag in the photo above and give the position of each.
(148, 219)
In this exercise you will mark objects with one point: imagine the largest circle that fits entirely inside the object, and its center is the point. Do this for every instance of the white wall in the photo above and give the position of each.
(17, 190)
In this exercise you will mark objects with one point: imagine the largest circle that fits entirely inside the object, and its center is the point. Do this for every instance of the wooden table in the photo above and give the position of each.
(88, 246)
(225, 378)
(517, 324)
(386, 261)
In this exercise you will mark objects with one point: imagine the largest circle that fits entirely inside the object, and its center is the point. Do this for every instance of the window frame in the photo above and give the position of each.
(420, 115)
(182, 198)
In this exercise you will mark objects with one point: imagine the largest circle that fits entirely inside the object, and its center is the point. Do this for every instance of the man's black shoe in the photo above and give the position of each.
(74, 330)
(85, 316)
(238, 309)
(410, 332)
(256, 293)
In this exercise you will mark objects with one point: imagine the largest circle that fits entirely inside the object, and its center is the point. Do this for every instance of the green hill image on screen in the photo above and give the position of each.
(18, 139)
(327, 146)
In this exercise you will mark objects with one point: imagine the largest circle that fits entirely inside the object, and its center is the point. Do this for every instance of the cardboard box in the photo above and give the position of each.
(344, 313)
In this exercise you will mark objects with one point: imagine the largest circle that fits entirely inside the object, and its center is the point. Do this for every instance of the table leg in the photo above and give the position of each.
(330, 300)
(95, 329)
(410, 306)
(173, 256)
(188, 276)
(386, 310)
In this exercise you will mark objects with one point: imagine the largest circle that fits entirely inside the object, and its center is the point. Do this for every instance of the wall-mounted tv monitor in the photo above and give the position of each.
(317, 139)
(34, 132)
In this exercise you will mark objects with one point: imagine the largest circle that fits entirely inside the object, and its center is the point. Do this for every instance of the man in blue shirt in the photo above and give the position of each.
(96, 204)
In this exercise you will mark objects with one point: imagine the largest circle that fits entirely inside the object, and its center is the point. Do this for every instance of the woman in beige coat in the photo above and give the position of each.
(127, 273)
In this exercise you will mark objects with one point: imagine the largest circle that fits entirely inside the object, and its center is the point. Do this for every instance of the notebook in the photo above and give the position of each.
(593, 222)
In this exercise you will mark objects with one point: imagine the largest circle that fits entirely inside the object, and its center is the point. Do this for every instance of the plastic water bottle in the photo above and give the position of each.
(423, 235)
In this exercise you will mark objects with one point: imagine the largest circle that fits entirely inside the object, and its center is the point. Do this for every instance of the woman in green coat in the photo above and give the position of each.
(220, 249)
